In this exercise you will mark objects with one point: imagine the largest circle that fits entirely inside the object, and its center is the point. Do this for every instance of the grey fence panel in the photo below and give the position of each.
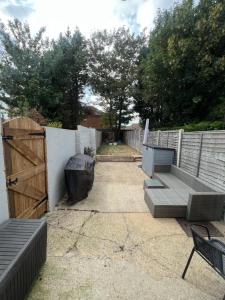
(212, 162)
(190, 150)
(134, 139)
(153, 138)
(202, 154)
(169, 139)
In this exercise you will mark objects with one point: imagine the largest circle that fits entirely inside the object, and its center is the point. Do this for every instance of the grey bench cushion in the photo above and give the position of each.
(153, 183)
(175, 184)
(166, 203)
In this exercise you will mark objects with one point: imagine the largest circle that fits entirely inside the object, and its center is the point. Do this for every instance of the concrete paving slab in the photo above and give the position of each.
(118, 187)
(109, 254)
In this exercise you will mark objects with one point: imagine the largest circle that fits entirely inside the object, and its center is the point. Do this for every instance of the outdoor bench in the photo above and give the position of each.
(183, 196)
(22, 253)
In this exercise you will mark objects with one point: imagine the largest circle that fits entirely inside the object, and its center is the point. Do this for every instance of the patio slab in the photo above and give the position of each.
(110, 247)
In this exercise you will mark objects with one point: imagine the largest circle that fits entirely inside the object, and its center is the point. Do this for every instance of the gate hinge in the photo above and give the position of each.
(7, 137)
(11, 182)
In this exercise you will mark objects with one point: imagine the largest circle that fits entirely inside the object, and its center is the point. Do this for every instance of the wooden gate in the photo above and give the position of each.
(24, 153)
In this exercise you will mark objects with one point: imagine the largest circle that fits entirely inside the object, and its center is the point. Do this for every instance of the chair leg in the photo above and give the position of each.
(188, 262)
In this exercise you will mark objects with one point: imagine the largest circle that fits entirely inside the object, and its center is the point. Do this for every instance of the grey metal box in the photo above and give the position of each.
(155, 157)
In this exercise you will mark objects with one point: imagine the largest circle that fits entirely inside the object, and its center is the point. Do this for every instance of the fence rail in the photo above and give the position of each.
(201, 154)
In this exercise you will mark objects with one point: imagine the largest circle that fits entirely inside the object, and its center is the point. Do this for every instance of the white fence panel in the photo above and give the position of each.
(60, 146)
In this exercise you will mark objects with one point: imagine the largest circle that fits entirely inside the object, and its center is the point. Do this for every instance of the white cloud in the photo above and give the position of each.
(146, 14)
(88, 15)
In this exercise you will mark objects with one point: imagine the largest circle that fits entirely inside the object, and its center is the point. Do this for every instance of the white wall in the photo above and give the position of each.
(60, 146)
(88, 138)
(98, 139)
(4, 213)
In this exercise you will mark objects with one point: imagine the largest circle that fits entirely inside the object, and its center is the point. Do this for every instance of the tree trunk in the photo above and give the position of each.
(75, 105)
(110, 116)
(118, 129)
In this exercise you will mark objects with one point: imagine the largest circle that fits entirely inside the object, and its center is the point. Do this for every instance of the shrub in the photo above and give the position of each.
(89, 151)
(55, 124)
(201, 126)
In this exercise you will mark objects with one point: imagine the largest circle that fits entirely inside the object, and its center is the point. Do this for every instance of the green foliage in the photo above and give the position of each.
(89, 151)
(55, 124)
(177, 79)
(65, 67)
(204, 125)
(114, 58)
(106, 118)
(201, 126)
(182, 74)
(20, 65)
(35, 73)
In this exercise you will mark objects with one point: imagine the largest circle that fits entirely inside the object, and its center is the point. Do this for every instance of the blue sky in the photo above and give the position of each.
(88, 15)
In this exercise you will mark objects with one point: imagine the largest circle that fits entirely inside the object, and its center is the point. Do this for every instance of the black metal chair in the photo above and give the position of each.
(211, 250)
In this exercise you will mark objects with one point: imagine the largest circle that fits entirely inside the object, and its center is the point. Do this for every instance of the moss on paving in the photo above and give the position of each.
(116, 150)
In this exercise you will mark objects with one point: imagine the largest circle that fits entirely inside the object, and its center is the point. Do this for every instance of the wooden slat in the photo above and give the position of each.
(28, 137)
(25, 151)
(28, 191)
(17, 132)
(31, 212)
(39, 210)
(27, 173)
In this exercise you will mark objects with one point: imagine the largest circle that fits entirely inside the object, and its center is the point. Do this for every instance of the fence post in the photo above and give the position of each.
(139, 142)
(199, 155)
(180, 136)
(158, 137)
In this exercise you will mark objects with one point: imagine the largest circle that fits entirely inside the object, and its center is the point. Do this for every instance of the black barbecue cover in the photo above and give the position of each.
(79, 175)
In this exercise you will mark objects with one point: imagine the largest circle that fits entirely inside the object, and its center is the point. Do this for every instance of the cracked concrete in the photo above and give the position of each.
(110, 247)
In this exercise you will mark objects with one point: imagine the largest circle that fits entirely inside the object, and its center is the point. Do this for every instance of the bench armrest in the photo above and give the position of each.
(205, 206)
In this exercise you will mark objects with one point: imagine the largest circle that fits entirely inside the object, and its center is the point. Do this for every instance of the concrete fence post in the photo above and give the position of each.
(180, 136)
(139, 141)
(158, 137)
(199, 155)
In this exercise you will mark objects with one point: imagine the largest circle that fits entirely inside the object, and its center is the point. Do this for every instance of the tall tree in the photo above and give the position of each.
(20, 61)
(114, 57)
(47, 76)
(182, 78)
(65, 67)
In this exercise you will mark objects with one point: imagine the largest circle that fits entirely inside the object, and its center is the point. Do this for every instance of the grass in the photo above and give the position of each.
(116, 150)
